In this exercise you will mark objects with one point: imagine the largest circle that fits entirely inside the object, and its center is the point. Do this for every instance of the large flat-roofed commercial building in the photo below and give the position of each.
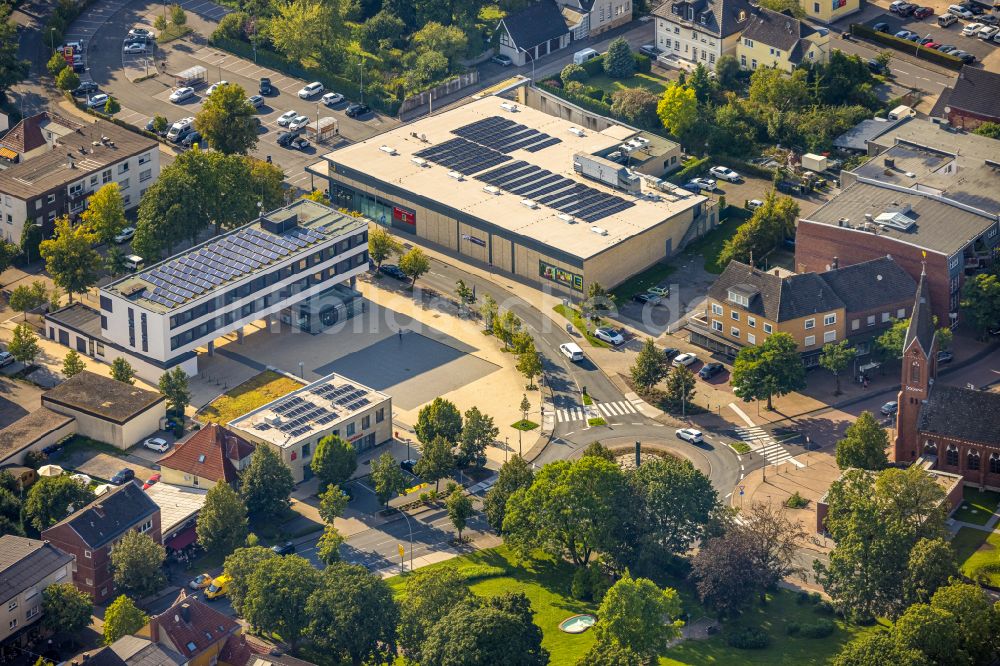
(526, 192)
(286, 262)
(295, 423)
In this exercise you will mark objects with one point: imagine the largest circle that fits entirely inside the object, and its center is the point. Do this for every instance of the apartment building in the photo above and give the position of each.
(777, 39)
(700, 31)
(27, 567)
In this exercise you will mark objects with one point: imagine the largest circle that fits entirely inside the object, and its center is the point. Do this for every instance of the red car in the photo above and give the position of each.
(932, 45)
(922, 12)
(153, 479)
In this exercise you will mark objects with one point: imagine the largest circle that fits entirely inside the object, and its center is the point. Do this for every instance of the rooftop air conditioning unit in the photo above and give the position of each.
(456, 175)
(388, 149)
(272, 420)
(577, 131)
(529, 203)
(600, 231)
(507, 106)
(492, 189)
(419, 161)
(568, 219)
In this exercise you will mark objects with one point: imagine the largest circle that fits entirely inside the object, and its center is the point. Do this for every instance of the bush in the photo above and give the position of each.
(802, 597)
(481, 572)
(796, 501)
(793, 628)
(907, 46)
(618, 61)
(573, 72)
(693, 166)
(748, 638)
(643, 64)
(35, 459)
(580, 587)
(819, 629)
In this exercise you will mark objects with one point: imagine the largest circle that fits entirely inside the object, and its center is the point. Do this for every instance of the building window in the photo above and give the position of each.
(914, 372)
(123, 168)
(829, 336)
(87, 554)
(13, 623)
(106, 176)
(32, 612)
(145, 175)
(810, 340)
(753, 64)
(717, 325)
(366, 422)
(994, 463)
(716, 309)
(735, 332)
(752, 322)
(146, 526)
(815, 8)
(972, 460)
(743, 61)
(751, 338)
(768, 328)
(810, 323)
(885, 317)
(124, 184)
(350, 429)
(145, 336)
(951, 455)
(900, 313)
(871, 320)
(380, 415)
(131, 327)
(305, 451)
(143, 159)
(12, 605)
(855, 324)
(734, 315)
(830, 319)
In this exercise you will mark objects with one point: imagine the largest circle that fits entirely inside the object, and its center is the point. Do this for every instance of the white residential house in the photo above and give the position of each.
(689, 32)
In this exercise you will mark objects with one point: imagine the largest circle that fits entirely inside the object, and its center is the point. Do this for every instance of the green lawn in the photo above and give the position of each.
(524, 425)
(573, 315)
(711, 244)
(547, 583)
(978, 506)
(655, 84)
(596, 421)
(651, 277)
(172, 32)
(978, 557)
(248, 396)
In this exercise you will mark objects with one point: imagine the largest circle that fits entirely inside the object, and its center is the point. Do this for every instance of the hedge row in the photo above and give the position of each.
(744, 168)
(692, 167)
(595, 66)
(273, 60)
(905, 45)
(584, 101)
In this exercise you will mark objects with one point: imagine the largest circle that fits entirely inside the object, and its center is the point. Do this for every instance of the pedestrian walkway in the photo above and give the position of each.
(761, 442)
(602, 409)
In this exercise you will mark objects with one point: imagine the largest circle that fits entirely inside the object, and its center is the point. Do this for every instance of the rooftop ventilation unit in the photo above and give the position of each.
(456, 175)
(896, 220)
(568, 219)
(272, 420)
(507, 106)
(387, 149)
(577, 131)
(600, 231)
(529, 203)
(492, 189)
(419, 161)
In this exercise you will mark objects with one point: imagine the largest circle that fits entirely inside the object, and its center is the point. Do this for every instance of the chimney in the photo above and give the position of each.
(836, 263)
(69, 161)
(186, 612)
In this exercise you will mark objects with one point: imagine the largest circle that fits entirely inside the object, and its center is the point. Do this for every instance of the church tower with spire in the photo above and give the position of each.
(920, 349)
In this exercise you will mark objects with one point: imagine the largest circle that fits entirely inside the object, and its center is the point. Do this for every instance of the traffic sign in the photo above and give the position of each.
(741, 490)
(402, 551)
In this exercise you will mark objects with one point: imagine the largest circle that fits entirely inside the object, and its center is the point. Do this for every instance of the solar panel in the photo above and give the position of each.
(544, 144)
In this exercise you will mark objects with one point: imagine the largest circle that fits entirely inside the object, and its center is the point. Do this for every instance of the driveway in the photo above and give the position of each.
(17, 399)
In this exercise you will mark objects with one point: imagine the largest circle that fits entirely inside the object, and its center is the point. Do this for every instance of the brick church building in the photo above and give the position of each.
(958, 428)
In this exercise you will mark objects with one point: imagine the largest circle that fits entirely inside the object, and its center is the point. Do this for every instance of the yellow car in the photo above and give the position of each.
(218, 588)
(201, 581)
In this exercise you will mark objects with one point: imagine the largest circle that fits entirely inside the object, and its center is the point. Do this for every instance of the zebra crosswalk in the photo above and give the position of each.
(762, 443)
(603, 409)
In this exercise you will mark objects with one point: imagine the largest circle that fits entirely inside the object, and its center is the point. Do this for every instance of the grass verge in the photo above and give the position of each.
(573, 315)
(977, 506)
(524, 424)
(977, 555)
(587, 400)
(248, 396)
(740, 447)
(636, 284)
(597, 421)
(651, 82)
(710, 245)
(172, 32)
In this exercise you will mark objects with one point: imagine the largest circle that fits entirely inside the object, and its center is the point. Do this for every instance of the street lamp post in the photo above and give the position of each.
(410, 527)
(52, 38)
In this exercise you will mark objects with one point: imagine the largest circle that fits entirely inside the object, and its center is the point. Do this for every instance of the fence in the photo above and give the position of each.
(448, 87)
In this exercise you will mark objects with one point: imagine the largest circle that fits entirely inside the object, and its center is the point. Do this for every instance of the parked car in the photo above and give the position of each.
(754, 204)
(946, 19)
(971, 29)
(610, 335)
(961, 12)
(670, 352)
(156, 444)
(355, 110)
(286, 548)
(215, 86)
(191, 139)
(987, 32)
(393, 271)
(311, 89)
(181, 94)
(690, 435)
(947, 48)
(218, 588)
(906, 9)
(502, 60)
(200, 582)
(139, 32)
(921, 13)
(705, 183)
(6, 358)
(662, 292)
(650, 51)
(725, 173)
(945, 357)
(881, 27)
(85, 88)
(264, 87)
(125, 235)
(151, 481)
(123, 476)
(710, 370)
(256, 101)
(651, 299)
(965, 57)
(287, 117)
(684, 359)
(297, 123)
(97, 101)
(332, 98)
(407, 465)
(299, 143)
(990, 19)
(906, 34)
(889, 408)
(133, 48)
(974, 7)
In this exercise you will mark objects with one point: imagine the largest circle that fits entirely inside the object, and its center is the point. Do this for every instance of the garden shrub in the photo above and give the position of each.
(819, 629)
(748, 638)
(573, 72)
(481, 572)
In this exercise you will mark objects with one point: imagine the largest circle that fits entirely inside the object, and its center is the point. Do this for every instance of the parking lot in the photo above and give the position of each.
(928, 27)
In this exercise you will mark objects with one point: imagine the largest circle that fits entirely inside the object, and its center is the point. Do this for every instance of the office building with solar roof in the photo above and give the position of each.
(298, 262)
(295, 423)
(529, 193)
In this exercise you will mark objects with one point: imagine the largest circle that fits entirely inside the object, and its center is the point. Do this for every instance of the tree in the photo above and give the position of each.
(174, 386)
(932, 631)
(727, 72)
(436, 461)
(277, 593)
(105, 213)
(353, 616)
(680, 387)
(25, 298)
(439, 418)
(529, 363)
(460, 509)
(112, 106)
(570, 510)
(332, 503)
(772, 540)
(73, 364)
(499, 630)
(384, 28)
(610, 655)
(931, 565)
(414, 264)
(489, 311)
(890, 343)
(598, 450)
(618, 61)
(10, 506)
(769, 225)
(328, 546)
(678, 109)
(448, 41)
(864, 444)
(478, 432)
(464, 293)
(988, 129)
(771, 368)
(56, 64)
(67, 79)
(883, 58)
(981, 301)
(382, 245)
(177, 15)
(227, 120)
(977, 620)
(122, 618)
(12, 68)
(649, 367)
(266, 485)
(122, 371)
(222, 521)
(334, 461)
(835, 357)
(428, 596)
(878, 649)
(70, 258)
(723, 573)
(65, 608)
(702, 83)
(116, 261)
(23, 345)
(137, 563)
(515, 474)
(160, 123)
(50, 498)
(387, 478)
(506, 327)
(636, 106)
(637, 614)
(239, 566)
(573, 72)
(9, 251)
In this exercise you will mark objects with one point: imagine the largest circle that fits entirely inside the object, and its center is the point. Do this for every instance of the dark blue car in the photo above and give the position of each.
(394, 271)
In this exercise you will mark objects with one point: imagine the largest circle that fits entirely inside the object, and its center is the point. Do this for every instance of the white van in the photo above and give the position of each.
(179, 128)
(946, 19)
(133, 262)
(901, 111)
(583, 56)
(572, 351)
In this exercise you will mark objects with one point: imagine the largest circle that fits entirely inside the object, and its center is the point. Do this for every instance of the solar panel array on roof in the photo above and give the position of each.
(302, 413)
(229, 257)
(462, 156)
(505, 135)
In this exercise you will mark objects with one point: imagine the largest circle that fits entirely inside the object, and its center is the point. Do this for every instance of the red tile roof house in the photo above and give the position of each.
(89, 534)
(194, 630)
(210, 455)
